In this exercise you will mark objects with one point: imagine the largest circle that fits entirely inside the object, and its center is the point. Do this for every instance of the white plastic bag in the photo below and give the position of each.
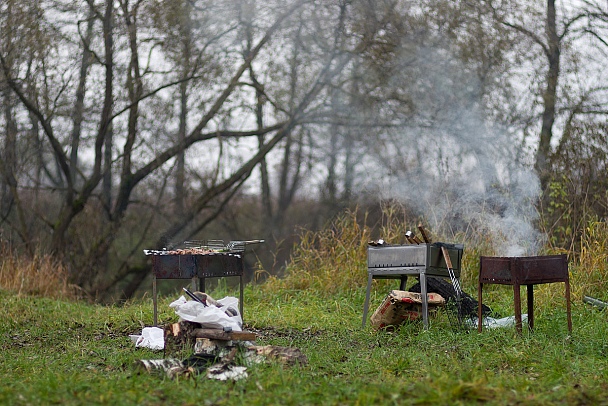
(491, 322)
(210, 316)
(152, 338)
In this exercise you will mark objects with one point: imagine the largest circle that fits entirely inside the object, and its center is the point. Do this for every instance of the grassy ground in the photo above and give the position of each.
(59, 352)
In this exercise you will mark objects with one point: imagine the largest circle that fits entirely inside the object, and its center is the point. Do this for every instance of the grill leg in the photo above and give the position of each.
(403, 282)
(154, 300)
(530, 307)
(241, 295)
(425, 301)
(517, 306)
(479, 309)
(366, 305)
(569, 315)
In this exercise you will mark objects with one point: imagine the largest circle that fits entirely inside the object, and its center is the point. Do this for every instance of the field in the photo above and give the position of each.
(58, 352)
(61, 351)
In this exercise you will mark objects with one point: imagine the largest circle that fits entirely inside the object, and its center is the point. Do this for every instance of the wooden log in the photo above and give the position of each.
(217, 334)
(178, 336)
(425, 237)
(285, 355)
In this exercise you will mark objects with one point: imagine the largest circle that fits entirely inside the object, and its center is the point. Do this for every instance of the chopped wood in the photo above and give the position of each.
(179, 336)
(285, 355)
(217, 334)
(446, 289)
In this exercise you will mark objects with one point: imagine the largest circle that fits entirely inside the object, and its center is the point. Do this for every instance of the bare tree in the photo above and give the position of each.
(125, 78)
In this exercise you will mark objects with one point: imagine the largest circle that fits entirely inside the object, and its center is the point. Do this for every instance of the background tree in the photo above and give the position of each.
(131, 124)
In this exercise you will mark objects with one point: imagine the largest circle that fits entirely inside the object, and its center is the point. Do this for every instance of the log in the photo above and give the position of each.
(179, 336)
(446, 289)
(216, 334)
(285, 355)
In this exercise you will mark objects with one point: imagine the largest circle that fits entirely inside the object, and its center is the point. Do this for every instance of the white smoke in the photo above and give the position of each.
(469, 176)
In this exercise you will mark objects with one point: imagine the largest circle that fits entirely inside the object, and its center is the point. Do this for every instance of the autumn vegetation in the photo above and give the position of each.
(129, 125)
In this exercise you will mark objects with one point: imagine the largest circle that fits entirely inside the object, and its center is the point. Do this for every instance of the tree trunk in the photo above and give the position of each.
(78, 113)
(549, 96)
(180, 175)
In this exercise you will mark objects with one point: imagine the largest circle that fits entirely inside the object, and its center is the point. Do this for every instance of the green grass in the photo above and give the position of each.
(57, 352)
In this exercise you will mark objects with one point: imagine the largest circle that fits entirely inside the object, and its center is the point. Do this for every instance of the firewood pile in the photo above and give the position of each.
(220, 353)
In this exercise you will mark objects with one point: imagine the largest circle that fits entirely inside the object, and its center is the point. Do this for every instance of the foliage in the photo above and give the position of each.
(577, 192)
(334, 259)
(327, 261)
(127, 124)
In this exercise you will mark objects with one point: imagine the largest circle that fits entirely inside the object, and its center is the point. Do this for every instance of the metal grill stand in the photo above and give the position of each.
(529, 271)
(399, 261)
(196, 268)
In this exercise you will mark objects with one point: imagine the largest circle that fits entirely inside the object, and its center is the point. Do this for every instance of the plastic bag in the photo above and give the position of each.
(152, 338)
(210, 316)
(491, 322)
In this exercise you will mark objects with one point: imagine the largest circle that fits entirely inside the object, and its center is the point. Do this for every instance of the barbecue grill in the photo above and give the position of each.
(198, 260)
(529, 271)
(399, 261)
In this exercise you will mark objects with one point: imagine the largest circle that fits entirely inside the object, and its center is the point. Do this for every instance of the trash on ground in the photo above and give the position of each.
(158, 366)
(595, 302)
(151, 337)
(401, 306)
(223, 313)
(285, 355)
(491, 322)
(214, 349)
(223, 372)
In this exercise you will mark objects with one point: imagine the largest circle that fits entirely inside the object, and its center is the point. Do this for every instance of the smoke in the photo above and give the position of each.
(463, 174)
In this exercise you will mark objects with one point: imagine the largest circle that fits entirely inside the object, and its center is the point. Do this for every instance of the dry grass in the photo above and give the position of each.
(40, 275)
(589, 272)
(327, 261)
(334, 259)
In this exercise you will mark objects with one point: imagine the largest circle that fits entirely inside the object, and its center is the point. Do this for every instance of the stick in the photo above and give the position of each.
(448, 263)
(194, 297)
(424, 236)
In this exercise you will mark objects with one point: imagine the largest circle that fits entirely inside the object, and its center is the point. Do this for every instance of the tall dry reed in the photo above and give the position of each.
(40, 275)
(589, 271)
(328, 260)
(334, 259)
